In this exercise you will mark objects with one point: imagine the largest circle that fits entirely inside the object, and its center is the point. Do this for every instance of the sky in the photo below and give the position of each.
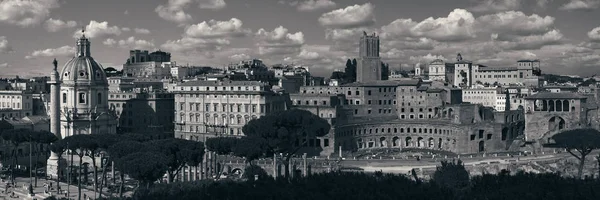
(319, 34)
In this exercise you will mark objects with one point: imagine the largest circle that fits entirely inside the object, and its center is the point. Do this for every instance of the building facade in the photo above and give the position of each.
(143, 111)
(16, 103)
(206, 109)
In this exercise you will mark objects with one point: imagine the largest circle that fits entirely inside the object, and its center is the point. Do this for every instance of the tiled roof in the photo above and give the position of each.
(222, 83)
(406, 82)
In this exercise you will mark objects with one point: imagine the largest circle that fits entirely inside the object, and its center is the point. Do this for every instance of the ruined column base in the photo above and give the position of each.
(52, 167)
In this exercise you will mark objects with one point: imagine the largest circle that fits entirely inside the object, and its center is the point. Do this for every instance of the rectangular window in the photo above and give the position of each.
(64, 97)
(82, 98)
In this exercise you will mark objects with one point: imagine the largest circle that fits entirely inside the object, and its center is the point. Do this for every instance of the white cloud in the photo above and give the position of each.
(216, 29)
(212, 4)
(194, 45)
(4, 65)
(350, 17)
(98, 30)
(61, 51)
(313, 5)
(55, 25)
(594, 34)
(26, 13)
(425, 59)
(308, 55)
(279, 41)
(4, 46)
(458, 26)
(173, 11)
(109, 42)
(515, 22)
(532, 41)
(239, 57)
(583, 5)
(125, 29)
(141, 31)
(131, 43)
(496, 5)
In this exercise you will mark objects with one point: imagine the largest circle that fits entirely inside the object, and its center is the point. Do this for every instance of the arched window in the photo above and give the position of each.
(82, 98)
(64, 98)
(99, 98)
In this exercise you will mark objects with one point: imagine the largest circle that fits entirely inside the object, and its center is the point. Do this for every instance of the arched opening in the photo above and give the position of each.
(382, 142)
(359, 143)
(450, 113)
(420, 142)
(99, 98)
(566, 105)
(481, 146)
(431, 143)
(559, 106)
(551, 105)
(439, 146)
(408, 142)
(395, 141)
(504, 133)
(556, 123)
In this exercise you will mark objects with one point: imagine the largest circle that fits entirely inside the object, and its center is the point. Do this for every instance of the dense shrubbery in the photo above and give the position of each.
(386, 186)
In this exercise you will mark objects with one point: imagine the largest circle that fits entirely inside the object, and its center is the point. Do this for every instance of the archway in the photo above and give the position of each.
(504, 133)
(556, 123)
(439, 143)
(408, 142)
(431, 143)
(481, 146)
(382, 142)
(395, 141)
(420, 142)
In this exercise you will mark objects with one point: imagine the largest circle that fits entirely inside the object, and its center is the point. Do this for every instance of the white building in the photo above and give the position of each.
(83, 101)
(437, 70)
(15, 103)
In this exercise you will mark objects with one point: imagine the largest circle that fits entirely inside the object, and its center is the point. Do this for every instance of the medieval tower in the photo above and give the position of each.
(369, 62)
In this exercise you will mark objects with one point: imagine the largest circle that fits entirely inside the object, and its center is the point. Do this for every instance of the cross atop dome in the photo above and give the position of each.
(83, 32)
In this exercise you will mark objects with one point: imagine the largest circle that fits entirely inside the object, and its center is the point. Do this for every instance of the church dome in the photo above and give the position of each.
(83, 69)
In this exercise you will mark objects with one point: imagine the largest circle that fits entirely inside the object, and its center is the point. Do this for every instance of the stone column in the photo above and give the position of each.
(275, 165)
(304, 169)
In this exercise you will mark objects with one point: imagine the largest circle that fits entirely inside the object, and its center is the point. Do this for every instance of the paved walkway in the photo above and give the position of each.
(20, 190)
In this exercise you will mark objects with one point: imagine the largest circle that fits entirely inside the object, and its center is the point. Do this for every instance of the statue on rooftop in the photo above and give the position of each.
(55, 63)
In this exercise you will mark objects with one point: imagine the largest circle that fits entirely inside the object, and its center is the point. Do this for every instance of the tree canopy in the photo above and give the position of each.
(583, 141)
(145, 167)
(178, 152)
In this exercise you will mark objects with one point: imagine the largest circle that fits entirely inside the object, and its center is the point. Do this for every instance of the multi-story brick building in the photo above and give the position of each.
(221, 108)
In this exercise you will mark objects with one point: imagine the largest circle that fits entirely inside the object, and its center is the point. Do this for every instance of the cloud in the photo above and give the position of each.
(212, 4)
(126, 12)
(426, 59)
(141, 31)
(130, 43)
(532, 41)
(594, 34)
(4, 65)
(26, 13)
(350, 17)
(4, 46)
(61, 51)
(457, 26)
(515, 22)
(217, 29)
(496, 5)
(193, 45)
(55, 25)
(308, 55)
(279, 41)
(239, 57)
(109, 42)
(125, 29)
(173, 11)
(99, 30)
(314, 5)
(581, 5)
